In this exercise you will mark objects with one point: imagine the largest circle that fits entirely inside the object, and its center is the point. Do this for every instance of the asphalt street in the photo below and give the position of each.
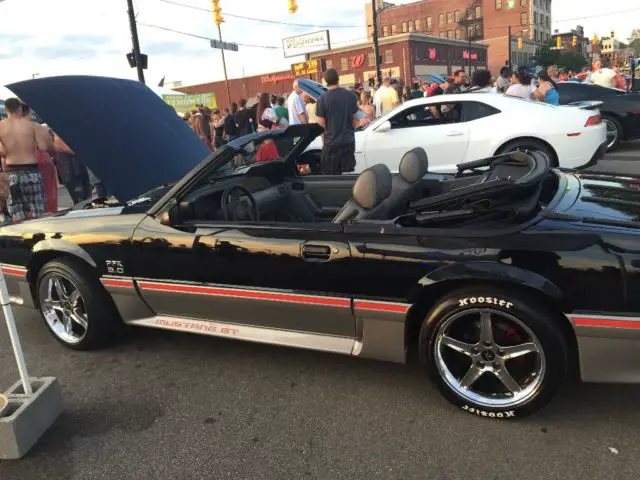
(168, 405)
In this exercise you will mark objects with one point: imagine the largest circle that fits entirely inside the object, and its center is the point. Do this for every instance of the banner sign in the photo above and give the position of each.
(186, 103)
(308, 68)
(308, 43)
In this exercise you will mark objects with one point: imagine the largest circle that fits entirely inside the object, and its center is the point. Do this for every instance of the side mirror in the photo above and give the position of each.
(383, 127)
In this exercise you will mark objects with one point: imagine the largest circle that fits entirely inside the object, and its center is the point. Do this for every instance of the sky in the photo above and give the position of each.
(57, 37)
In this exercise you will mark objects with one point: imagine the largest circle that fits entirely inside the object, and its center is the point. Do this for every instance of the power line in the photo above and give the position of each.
(264, 20)
(201, 36)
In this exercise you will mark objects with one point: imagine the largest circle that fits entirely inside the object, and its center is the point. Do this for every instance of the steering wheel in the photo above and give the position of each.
(239, 204)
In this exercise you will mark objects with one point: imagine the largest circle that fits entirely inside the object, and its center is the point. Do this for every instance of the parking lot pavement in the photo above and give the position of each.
(167, 405)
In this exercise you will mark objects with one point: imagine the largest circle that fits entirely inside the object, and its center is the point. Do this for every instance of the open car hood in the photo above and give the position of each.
(124, 132)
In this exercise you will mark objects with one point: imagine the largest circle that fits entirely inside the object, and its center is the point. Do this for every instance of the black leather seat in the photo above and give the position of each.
(372, 187)
(413, 167)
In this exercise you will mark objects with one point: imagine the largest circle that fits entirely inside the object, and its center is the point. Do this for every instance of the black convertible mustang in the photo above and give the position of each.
(502, 275)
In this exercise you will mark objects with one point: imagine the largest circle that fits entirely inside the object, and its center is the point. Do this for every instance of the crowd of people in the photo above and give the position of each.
(34, 162)
(340, 111)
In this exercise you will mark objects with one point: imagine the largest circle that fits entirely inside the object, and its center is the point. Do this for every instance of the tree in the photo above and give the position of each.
(546, 56)
(572, 60)
(634, 41)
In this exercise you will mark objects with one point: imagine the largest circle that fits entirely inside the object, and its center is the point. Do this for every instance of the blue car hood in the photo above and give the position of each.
(122, 130)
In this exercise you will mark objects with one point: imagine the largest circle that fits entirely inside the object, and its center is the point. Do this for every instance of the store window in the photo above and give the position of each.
(523, 3)
(443, 34)
(498, 4)
(412, 27)
(524, 19)
(470, 31)
(329, 64)
(429, 24)
(418, 24)
(459, 32)
(449, 33)
(449, 17)
(478, 33)
(478, 12)
(404, 27)
(457, 16)
(394, 29)
(385, 31)
(442, 19)
(388, 56)
(535, 18)
(371, 59)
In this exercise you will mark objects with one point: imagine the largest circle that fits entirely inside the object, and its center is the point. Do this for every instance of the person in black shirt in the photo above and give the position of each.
(230, 125)
(457, 84)
(242, 119)
(336, 111)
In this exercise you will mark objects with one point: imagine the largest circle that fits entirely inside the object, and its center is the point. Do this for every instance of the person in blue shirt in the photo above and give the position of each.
(546, 91)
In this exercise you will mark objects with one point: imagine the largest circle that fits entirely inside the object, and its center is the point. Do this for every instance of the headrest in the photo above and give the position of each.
(414, 165)
(372, 186)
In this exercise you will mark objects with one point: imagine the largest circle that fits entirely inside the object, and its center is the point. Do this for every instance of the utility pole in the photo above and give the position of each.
(134, 39)
(224, 67)
(510, 47)
(376, 46)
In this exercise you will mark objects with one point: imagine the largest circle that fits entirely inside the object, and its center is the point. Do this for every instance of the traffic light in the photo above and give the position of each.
(217, 12)
(293, 6)
(520, 43)
(613, 34)
(558, 42)
(574, 41)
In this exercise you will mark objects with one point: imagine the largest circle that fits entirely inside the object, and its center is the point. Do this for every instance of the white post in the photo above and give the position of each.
(13, 335)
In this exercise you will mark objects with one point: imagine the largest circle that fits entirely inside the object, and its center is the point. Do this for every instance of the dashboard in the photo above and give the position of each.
(265, 181)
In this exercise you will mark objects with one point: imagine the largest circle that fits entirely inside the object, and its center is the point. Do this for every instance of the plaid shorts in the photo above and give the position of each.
(26, 193)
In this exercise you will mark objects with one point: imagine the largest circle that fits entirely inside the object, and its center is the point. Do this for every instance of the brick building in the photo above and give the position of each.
(405, 56)
(572, 41)
(486, 21)
(279, 83)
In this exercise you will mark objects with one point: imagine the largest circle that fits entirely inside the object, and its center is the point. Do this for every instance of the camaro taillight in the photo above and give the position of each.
(594, 120)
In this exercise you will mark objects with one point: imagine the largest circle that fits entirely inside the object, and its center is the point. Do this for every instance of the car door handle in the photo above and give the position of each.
(316, 253)
(455, 133)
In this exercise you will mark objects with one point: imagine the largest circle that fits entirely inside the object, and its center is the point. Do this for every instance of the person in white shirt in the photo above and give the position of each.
(386, 98)
(296, 107)
(503, 80)
(520, 85)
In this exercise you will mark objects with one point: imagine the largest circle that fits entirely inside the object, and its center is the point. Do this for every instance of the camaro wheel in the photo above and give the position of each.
(494, 353)
(525, 145)
(614, 132)
(75, 307)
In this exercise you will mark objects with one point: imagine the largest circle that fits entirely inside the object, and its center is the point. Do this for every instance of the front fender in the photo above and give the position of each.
(490, 271)
(61, 246)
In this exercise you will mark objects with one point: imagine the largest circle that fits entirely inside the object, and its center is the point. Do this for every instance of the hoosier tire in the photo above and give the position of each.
(75, 307)
(494, 352)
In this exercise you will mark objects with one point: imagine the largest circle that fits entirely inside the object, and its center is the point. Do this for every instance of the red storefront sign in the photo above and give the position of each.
(465, 55)
(278, 77)
(357, 60)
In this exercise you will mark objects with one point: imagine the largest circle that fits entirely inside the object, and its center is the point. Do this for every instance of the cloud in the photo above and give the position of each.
(85, 39)
(173, 48)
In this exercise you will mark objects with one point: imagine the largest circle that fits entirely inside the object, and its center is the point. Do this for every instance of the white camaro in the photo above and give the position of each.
(459, 128)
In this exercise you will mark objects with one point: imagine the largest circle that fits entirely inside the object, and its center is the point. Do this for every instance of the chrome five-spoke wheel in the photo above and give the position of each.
(489, 357)
(63, 308)
(612, 133)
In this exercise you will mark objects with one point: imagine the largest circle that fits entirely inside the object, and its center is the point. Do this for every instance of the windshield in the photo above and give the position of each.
(249, 150)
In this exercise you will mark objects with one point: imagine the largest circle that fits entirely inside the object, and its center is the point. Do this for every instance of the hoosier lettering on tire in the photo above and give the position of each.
(494, 352)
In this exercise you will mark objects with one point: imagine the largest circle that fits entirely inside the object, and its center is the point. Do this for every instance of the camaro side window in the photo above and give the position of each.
(476, 110)
(425, 115)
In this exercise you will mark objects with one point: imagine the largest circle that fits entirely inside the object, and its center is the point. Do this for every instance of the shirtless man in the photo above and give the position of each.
(20, 137)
